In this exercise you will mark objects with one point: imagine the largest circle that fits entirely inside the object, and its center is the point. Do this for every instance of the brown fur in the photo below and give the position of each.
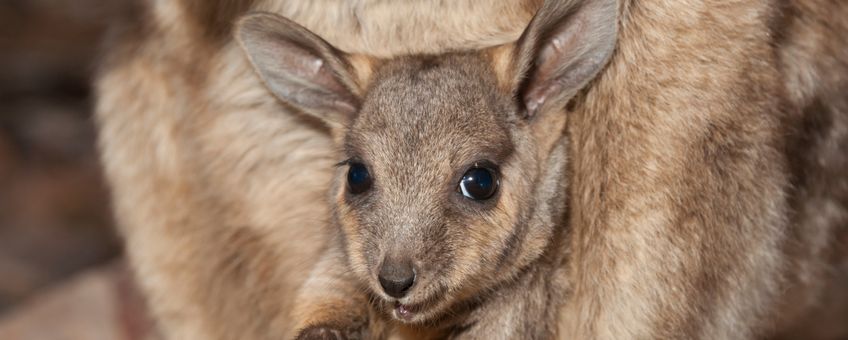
(217, 223)
(682, 178)
(706, 167)
(419, 124)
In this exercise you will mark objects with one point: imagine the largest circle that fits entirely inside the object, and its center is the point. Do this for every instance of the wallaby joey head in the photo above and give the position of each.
(451, 175)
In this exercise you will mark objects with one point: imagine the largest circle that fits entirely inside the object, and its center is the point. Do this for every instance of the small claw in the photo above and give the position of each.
(321, 333)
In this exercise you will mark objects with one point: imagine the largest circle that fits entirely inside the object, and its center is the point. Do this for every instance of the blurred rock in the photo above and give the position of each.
(54, 207)
(100, 304)
(48, 46)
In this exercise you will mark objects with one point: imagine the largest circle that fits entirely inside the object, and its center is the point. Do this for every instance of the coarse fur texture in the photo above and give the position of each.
(419, 124)
(218, 187)
(682, 158)
(707, 189)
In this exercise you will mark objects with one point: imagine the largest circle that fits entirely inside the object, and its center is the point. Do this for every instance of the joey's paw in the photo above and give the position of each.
(322, 333)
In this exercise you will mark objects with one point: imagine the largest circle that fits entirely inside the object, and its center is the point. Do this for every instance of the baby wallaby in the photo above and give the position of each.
(450, 193)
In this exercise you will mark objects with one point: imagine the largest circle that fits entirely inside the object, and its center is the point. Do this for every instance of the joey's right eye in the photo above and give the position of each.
(478, 183)
(358, 178)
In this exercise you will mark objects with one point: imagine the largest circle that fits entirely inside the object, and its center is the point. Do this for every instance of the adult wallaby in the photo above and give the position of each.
(706, 185)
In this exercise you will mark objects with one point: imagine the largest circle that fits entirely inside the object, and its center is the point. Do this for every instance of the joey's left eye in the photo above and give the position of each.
(358, 178)
(479, 183)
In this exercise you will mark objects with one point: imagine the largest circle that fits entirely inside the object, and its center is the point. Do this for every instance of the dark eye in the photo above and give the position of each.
(358, 178)
(478, 184)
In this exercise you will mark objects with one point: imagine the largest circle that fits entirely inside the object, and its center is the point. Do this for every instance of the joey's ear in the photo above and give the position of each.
(300, 68)
(565, 46)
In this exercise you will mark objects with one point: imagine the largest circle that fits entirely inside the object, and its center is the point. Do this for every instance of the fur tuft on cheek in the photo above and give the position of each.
(351, 232)
(493, 241)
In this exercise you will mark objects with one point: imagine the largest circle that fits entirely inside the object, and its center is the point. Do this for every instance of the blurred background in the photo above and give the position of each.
(61, 276)
(55, 220)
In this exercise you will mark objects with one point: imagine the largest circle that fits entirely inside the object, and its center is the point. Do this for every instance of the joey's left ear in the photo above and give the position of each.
(565, 46)
(302, 69)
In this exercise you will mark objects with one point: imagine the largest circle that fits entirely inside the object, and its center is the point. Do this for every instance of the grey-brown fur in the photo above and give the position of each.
(706, 194)
(418, 124)
(423, 123)
(208, 248)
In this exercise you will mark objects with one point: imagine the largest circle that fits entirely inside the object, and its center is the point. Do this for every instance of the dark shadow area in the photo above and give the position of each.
(54, 210)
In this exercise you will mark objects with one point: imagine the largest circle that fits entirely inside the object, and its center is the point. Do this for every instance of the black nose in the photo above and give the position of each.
(396, 277)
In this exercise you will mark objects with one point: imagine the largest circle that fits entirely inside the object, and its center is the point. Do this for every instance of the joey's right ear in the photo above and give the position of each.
(565, 46)
(302, 69)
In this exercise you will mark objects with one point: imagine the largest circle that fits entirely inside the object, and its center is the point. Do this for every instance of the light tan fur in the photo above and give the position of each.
(218, 187)
(707, 165)
(683, 201)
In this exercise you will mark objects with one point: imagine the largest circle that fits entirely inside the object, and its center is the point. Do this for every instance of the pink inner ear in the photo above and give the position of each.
(552, 63)
(543, 81)
(535, 98)
(307, 67)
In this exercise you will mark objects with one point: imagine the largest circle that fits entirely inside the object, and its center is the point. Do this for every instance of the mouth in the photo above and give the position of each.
(404, 312)
(424, 304)
(419, 311)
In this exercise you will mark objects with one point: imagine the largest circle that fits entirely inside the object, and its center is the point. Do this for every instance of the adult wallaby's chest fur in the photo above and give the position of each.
(705, 165)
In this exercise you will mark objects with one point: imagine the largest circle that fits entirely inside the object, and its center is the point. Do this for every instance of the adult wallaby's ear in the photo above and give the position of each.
(300, 68)
(565, 46)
